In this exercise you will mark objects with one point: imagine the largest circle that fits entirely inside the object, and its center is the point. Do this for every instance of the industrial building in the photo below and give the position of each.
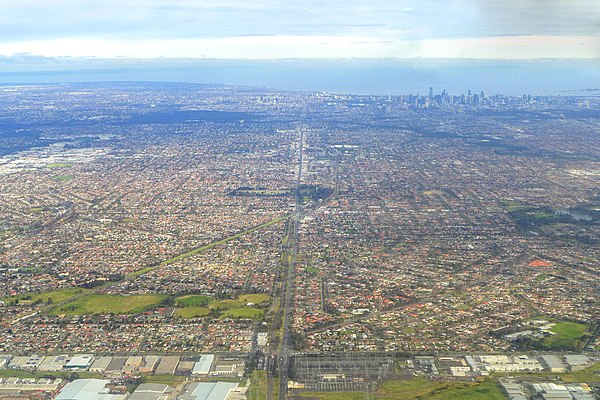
(100, 365)
(133, 364)
(150, 366)
(88, 389)
(19, 385)
(80, 362)
(553, 363)
(54, 363)
(115, 366)
(167, 365)
(208, 391)
(577, 361)
(228, 366)
(203, 366)
(25, 363)
(554, 391)
(151, 391)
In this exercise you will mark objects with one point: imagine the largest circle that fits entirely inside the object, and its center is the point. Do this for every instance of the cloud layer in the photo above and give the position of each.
(265, 29)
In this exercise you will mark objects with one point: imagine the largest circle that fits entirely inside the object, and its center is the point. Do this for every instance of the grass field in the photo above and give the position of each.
(64, 178)
(433, 192)
(109, 304)
(226, 304)
(58, 165)
(312, 270)
(514, 206)
(57, 296)
(193, 301)
(257, 390)
(335, 396)
(254, 298)
(567, 335)
(422, 389)
(201, 306)
(192, 312)
(589, 375)
(488, 390)
(171, 380)
(408, 389)
(247, 312)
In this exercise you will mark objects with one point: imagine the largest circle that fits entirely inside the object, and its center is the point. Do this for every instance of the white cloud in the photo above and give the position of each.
(251, 47)
(513, 47)
(288, 46)
(301, 28)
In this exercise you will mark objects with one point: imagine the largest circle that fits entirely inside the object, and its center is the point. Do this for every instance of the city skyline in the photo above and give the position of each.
(271, 200)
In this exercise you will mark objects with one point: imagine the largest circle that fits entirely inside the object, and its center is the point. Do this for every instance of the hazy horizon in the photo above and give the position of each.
(390, 46)
(366, 76)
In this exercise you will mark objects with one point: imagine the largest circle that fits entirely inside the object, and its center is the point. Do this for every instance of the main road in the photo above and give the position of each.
(288, 278)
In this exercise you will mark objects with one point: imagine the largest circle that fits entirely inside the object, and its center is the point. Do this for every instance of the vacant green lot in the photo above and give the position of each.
(409, 389)
(175, 380)
(257, 390)
(59, 165)
(244, 313)
(312, 270)
(171, 380)
(193, 301)
(488, 390)
(109, 304)
(56, 296)
(255, 298)
(64, 178)
(567, 335)
(336, 396)
(192, 312)
(422, 389)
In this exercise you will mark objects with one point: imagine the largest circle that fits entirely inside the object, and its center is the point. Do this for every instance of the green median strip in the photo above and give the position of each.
(205, 247)
(222, 241)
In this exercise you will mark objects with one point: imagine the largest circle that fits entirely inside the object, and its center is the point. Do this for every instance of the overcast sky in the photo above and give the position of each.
(271, 29)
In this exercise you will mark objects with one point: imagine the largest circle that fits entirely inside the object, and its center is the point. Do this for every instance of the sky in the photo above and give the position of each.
(301, 29)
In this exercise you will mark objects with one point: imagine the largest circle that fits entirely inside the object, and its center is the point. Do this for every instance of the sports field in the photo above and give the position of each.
(193, 301)
(55, 296)
(244, 313)
(193, 306)
(192, 312)
(254, 298)
(567, 336)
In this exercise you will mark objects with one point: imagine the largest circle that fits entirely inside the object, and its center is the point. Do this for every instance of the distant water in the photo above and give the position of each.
(380, 77)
